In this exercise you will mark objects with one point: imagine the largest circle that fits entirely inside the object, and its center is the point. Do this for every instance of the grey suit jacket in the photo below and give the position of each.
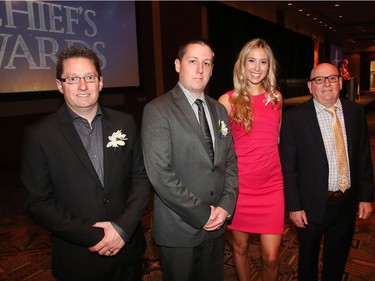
(185, 181)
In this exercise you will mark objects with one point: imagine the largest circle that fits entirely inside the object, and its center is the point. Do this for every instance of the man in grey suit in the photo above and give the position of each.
(84, 177)
(194, 193)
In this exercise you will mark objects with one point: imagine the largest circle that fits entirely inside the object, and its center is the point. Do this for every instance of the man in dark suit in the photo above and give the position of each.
(308, 154)
(85, 181)
(194, 193)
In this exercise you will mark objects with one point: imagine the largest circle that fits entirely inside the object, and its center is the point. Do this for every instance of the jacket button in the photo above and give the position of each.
(106, 200)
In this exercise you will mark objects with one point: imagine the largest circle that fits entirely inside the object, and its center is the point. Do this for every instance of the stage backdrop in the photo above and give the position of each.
(32, 33)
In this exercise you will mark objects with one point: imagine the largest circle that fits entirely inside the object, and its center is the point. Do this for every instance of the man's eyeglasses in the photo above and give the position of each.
(76, 80)
(322, 79)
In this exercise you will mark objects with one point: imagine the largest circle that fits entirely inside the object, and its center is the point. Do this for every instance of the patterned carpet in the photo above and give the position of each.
(25, 247)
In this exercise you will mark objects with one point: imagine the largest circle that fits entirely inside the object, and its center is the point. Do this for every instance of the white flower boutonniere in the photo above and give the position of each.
(117, 139)
(223, 128)
(267, 101)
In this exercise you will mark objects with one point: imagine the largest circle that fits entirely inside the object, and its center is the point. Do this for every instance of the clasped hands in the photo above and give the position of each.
(111, 243)
(217, 219)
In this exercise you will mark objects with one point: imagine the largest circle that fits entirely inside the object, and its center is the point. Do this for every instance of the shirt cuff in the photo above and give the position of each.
(121, 232)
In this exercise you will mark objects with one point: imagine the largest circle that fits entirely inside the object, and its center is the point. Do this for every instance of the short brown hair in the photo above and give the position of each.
(76, 51)
(202, 42)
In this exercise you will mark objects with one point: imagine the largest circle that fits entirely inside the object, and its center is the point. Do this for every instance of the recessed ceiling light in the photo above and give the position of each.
(300, 10)
(307, 15)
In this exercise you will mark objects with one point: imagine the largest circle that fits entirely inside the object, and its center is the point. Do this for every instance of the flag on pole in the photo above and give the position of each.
(316, 51)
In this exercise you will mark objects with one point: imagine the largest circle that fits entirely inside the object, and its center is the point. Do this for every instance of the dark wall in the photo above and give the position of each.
(180, 22)
(230, 29)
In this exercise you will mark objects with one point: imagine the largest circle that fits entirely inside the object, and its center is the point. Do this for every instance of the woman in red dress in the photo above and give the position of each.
(254, 107)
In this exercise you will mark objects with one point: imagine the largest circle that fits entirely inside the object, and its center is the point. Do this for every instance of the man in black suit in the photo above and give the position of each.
(308, 154)
(195, 187)
(85, 181)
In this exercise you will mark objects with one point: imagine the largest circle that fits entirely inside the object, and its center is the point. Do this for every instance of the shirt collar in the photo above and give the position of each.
(191, 98)
(74, 116)
(319, 107)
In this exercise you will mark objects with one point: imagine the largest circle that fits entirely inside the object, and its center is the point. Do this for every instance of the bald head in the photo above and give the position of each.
(324, 68)
(325, 84)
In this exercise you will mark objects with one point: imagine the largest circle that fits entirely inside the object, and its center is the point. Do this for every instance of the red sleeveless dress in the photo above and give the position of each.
(260, 203)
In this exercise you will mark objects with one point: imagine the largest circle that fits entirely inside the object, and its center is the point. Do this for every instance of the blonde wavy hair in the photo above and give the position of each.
(242, 111)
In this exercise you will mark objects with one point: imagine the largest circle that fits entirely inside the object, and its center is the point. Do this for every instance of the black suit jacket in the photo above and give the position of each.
(65, 195)
(305, 165)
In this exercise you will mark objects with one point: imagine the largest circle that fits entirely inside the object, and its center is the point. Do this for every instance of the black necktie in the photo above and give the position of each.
(205, 128)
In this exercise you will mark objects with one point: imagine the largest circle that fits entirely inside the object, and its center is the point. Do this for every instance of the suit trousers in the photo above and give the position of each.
(130, 273)
(200, 263)
(337, 231)
(126, 272)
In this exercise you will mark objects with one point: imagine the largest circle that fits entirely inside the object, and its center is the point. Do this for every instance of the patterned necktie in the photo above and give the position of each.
(205, 128)
(343, 175)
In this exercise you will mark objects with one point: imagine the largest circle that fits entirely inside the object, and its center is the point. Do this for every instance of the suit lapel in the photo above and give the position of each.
(215, 122)
(72, 138)
(182, 102)
(312, 119)
(349, 127)
(184, 105)
(109, 127)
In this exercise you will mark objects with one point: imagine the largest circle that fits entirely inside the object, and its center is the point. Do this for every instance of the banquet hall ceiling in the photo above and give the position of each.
(350, 24)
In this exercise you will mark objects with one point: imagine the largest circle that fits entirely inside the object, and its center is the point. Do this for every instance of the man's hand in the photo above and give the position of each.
(111, 243)
(217, 219)
(364, 210)
(299, 218)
